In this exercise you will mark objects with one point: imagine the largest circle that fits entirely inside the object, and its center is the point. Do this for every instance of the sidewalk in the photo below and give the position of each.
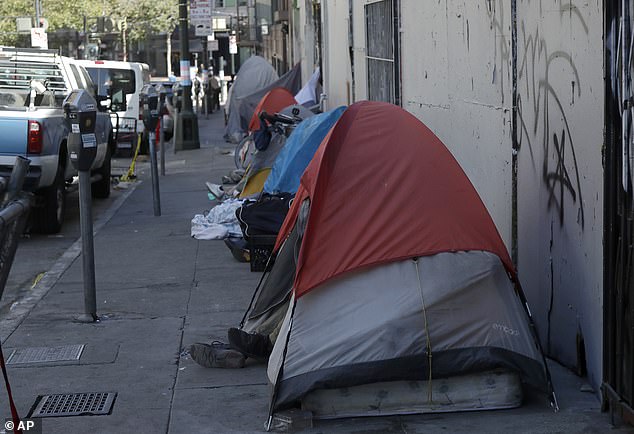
(159, 290)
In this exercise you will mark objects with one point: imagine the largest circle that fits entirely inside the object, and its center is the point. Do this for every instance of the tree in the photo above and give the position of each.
(143, 17)
(69, 14)
(61, 14)
(9, 9)
(147, 17)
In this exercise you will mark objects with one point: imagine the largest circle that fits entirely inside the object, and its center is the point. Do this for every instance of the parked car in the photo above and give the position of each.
(121, 83)
(33, 86)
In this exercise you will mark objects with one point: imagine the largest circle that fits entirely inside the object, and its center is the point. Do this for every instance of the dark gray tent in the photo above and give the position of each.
(254, 74)
(250, 87)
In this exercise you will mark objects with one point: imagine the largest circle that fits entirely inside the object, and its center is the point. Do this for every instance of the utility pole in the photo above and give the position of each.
(38, 12)
(168, 42)
(124, 29)
(187, 121)
(237, 35)
(85, 37)
(205, 75)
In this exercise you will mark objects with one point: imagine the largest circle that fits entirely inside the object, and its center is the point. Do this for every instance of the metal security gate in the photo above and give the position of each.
(382, 51)
(618, 302)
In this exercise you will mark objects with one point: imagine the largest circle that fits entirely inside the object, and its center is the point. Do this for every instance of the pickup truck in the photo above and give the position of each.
(33, 86)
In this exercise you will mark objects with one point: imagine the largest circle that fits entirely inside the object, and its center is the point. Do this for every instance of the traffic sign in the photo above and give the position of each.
(24, 24)
(203, 29)
(233, 44)
(200, 11)
(212, 44)
(39, 38)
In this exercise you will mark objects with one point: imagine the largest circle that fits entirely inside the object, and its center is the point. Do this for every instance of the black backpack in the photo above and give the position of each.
(265, 215)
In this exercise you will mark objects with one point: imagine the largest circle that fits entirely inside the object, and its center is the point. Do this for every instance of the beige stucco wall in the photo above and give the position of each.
(457, 77)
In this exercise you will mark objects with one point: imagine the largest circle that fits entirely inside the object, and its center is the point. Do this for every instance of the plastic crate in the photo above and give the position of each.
(261, 248)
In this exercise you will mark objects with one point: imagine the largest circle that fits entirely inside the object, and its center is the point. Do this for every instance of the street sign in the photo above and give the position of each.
(24, 24)
(212, 44)
(39, 38)
(200, 11)
(203, 29)
(233, 44)
(200, 16)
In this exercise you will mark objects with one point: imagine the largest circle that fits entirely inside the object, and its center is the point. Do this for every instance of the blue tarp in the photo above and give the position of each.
(300, 147)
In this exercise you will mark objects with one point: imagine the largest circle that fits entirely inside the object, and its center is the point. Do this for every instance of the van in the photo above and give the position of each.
(122, 83)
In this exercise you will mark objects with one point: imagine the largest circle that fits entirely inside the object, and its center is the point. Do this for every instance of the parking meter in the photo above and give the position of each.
(177, 96)
(163, 113)
(149, 100)
(80, 110)
(162, 101)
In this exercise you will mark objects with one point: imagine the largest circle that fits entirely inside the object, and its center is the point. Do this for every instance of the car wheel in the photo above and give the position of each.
(50, 217)
(101, 189)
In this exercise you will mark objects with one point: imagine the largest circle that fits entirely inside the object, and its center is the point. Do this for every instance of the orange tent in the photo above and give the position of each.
(274, 101)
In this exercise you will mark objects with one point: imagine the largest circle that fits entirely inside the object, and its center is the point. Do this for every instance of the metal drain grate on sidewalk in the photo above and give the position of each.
(66, 353)
(74, 404)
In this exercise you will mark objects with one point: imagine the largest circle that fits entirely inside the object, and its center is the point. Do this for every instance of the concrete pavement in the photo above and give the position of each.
(159, 290)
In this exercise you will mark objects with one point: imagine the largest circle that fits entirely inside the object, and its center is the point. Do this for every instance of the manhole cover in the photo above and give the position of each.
(64, 353)
(74, 404)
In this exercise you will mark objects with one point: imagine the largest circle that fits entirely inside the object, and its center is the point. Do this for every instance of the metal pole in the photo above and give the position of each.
(87, 249)
(233, 56)
(205, 84)
(85, 37)
(625, 94)
(187, 137)
(183, 25)
(162, 145)
(169, 53)
(16, 180)
(156, 194)
(37, 13)
(125, 42)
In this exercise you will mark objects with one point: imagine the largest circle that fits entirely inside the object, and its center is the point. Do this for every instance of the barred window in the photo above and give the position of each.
(382, 52)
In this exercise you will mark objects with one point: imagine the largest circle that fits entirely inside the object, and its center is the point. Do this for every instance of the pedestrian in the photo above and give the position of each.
(214, 86)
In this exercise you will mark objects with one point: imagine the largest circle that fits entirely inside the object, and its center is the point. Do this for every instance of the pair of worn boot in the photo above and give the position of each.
(234, 354)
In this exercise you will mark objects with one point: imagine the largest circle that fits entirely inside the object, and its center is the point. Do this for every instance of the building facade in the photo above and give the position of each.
(516, 92)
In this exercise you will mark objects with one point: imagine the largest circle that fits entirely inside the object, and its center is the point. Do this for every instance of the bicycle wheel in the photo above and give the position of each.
(243, 152)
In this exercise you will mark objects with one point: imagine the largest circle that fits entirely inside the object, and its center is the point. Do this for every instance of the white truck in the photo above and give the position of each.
(33, 86)
(122, 82)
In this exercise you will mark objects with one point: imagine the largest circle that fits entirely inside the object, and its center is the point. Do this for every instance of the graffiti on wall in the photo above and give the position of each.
(541, 108)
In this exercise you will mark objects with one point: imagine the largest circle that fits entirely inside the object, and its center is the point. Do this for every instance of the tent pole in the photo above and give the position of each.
(279, 373)
(531, 324)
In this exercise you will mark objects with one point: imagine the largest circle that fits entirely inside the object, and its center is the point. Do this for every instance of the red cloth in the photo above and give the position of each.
(384, 188)
(274, 101)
